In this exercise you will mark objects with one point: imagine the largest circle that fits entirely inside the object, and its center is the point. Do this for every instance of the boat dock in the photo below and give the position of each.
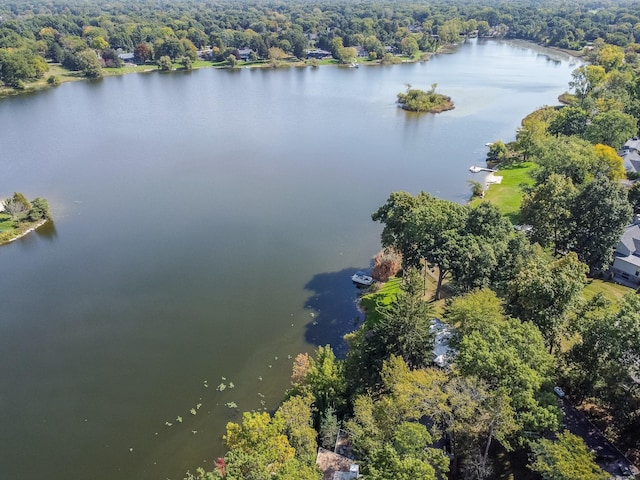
(476, 169)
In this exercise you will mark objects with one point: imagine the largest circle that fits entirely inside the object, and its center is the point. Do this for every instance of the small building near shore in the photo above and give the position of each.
(127, 57)
(335, 466)
(318, 54)
(243, 54)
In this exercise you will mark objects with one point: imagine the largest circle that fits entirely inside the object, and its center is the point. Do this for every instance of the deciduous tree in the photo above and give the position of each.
(601, 210)
(545, 292)
(510, 354)
(548, 210)
(611, 128)
(17, 206)
(566, 458)
(164, 63)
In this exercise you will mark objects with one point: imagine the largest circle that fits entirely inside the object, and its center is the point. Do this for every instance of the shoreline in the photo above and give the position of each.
(66, 76)
(24, 233)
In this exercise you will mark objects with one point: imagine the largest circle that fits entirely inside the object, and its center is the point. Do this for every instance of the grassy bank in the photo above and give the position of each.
(56, 70)
(612, 291)
(9, 231)
(385, 295)
(63, 75)
(508, 194)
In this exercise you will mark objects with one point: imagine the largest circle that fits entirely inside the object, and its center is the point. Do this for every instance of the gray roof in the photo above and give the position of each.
(631, 259)
(631, 238)
(632, 144)
(631, 159)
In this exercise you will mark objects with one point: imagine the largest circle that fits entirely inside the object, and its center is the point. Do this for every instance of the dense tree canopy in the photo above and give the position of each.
(566, 458)
(59, 29)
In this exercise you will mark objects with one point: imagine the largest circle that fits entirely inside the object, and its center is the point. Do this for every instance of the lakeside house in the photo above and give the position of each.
(630, 153)
(127, 57)
(318, 54)
(626, 257)
(205, 54)
(362, 52)
(243, 54)
(335, 466)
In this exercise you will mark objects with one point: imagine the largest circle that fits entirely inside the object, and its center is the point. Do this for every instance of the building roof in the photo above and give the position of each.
(631, 159)
(330, 463)
(442, 352)
(632, 144)
(630, 153)
(631, 238)
(631, 259)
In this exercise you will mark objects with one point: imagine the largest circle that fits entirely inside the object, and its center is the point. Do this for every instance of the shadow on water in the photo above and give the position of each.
(333, 302)
(47, 231)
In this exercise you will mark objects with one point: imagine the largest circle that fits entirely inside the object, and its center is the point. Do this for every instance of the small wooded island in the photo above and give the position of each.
(415, 100)
(19, 216)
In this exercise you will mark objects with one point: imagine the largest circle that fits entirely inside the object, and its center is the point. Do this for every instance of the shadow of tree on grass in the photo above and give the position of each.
(333, 309)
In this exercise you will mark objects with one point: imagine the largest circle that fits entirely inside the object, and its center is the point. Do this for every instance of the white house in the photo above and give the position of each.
(626, 258)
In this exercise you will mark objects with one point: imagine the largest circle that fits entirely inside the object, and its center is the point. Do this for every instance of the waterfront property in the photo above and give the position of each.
(626, 263)
(178, 293)
(318, 54)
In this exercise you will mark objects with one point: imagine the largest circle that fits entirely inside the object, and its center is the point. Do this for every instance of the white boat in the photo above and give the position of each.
(475, 169)
(361, 279)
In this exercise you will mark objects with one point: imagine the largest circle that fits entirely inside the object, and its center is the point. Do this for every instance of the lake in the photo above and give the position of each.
(206, 227)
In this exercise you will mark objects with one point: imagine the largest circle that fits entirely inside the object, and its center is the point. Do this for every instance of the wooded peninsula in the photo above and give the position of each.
(493, 328)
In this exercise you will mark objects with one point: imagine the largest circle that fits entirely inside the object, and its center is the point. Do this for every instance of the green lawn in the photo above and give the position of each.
(386, 294)
(382, 297)
(108, 72)
(9, 230)
(611, 291)
(5, 223)
(507, 195)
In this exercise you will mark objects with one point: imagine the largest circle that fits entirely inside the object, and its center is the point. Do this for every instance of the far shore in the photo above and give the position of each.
(65, 75)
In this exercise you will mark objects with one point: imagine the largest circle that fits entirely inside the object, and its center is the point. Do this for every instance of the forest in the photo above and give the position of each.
(88, 36)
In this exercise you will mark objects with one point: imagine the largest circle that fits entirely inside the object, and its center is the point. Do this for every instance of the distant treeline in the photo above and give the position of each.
(86, 35)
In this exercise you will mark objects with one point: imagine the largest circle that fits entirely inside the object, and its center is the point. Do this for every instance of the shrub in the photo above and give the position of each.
(386, 264)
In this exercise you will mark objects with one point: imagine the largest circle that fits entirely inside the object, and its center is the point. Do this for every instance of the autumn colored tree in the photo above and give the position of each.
(386, 264)
(143, 53)
(612, 163)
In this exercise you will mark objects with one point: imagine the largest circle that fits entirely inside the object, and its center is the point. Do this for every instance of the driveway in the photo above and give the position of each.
(608, 457)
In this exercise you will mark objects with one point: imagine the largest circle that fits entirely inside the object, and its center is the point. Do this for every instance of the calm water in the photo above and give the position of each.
(206, 226)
